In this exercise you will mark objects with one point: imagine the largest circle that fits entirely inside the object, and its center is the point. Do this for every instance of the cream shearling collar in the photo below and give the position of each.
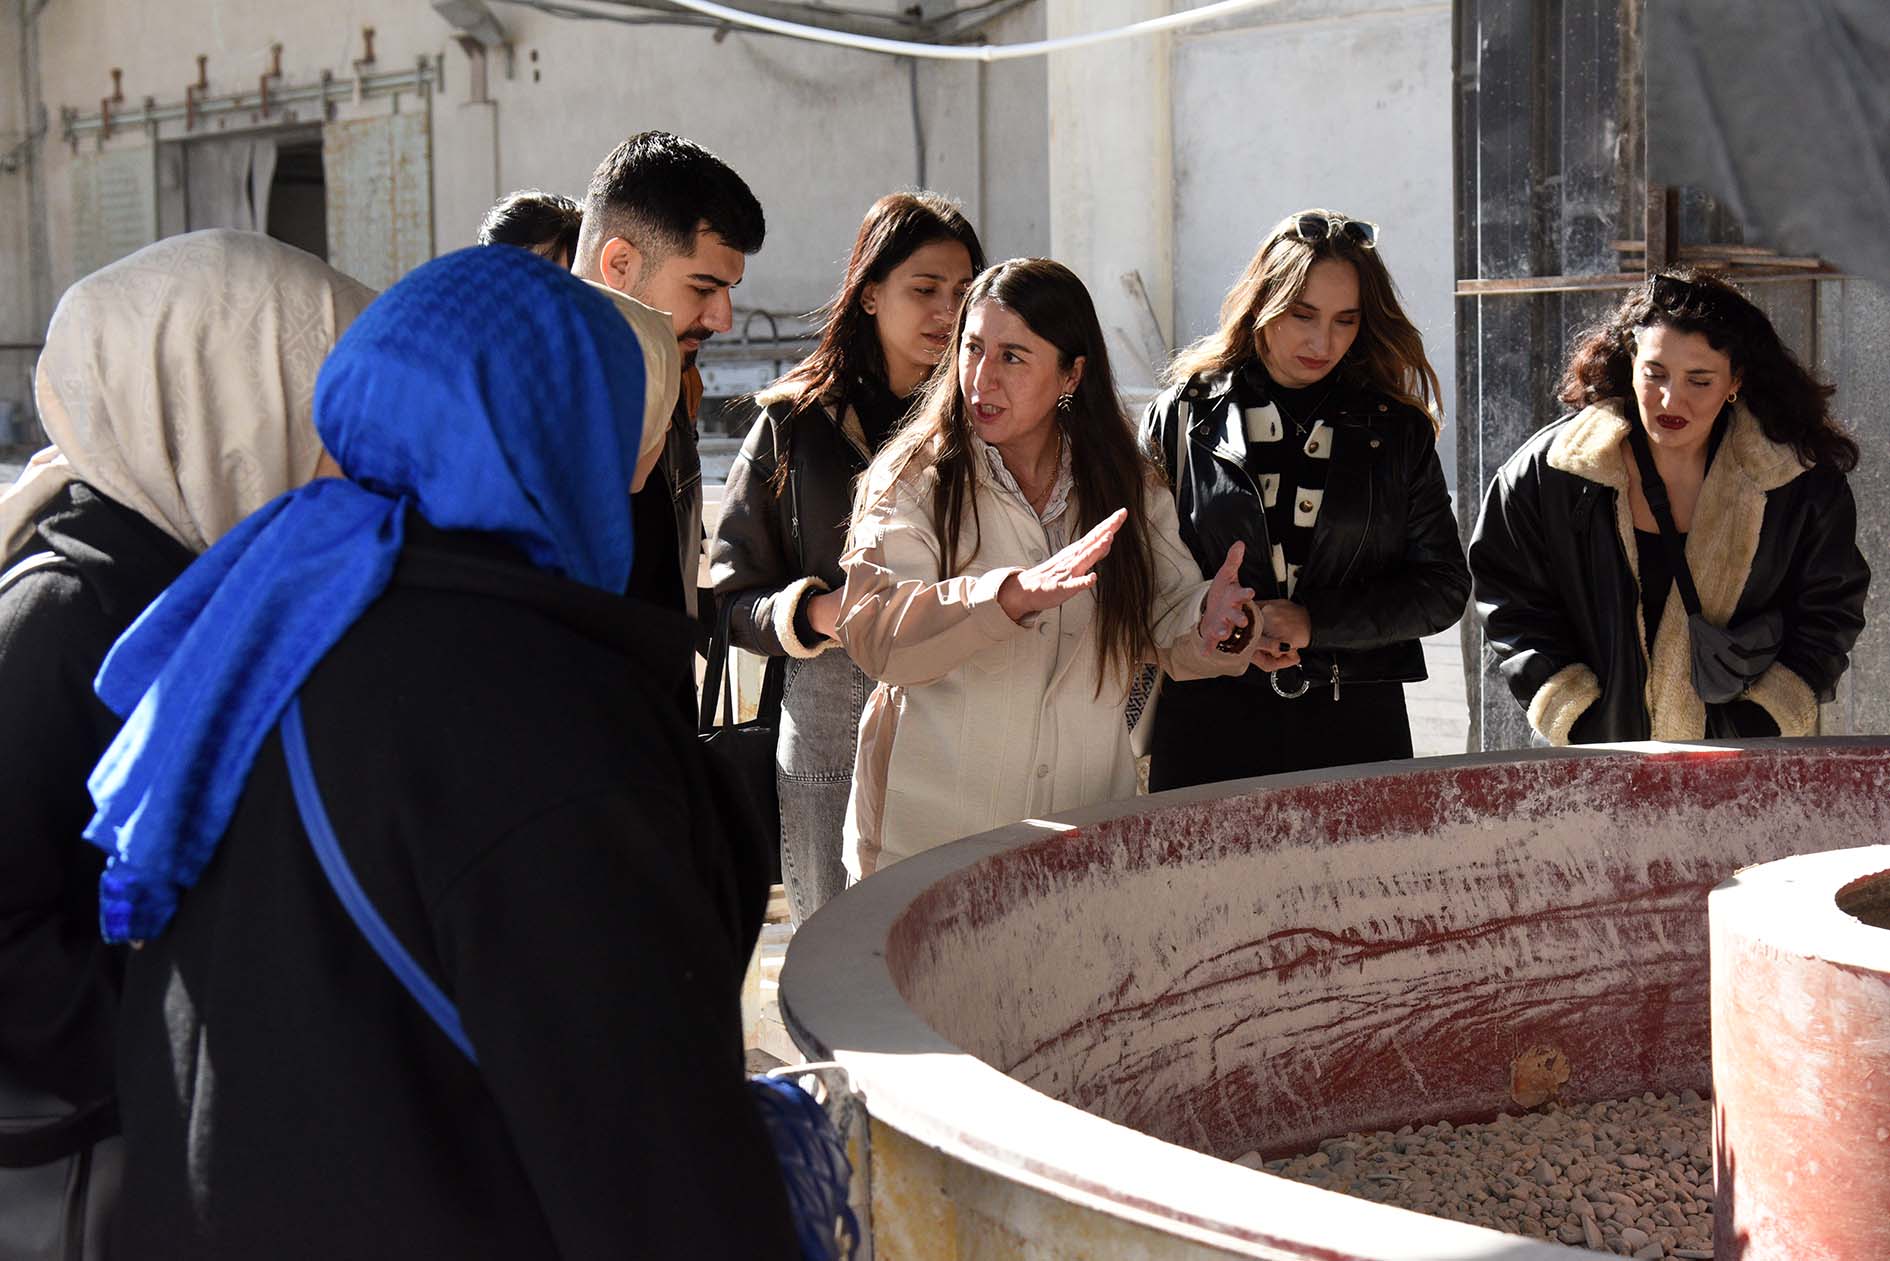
(1591, 446)
(1720, 548)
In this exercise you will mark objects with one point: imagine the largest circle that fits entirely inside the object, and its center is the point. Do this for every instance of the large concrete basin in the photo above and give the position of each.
(1065, 1029)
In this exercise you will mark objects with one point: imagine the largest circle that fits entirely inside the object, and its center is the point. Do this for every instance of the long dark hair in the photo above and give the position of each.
(545, 223)
(1792, 406)
(1110, 469)
(1388, 354)
(896, 227)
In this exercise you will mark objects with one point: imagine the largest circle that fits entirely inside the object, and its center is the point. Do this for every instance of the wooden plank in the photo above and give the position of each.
(1524, 285)
(1659, 225)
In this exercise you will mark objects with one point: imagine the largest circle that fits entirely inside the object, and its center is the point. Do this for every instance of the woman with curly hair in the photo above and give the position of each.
(1303, 427)
(1677, 558)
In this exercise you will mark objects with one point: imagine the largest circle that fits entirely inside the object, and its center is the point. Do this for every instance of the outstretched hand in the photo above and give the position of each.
(1046, 585)
(1222, 612)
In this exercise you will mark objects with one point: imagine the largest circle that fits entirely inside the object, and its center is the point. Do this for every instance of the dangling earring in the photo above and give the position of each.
(1066, 402)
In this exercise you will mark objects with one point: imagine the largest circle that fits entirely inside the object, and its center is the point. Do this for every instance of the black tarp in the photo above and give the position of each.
(1781, 110)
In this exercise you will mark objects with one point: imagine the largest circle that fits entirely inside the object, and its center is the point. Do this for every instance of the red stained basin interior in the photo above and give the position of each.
(1278, 965)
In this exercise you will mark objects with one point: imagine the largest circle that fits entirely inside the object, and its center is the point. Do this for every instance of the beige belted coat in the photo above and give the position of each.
(977, 721)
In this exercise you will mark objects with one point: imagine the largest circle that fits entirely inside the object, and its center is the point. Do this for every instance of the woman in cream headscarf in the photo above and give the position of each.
(177, 386)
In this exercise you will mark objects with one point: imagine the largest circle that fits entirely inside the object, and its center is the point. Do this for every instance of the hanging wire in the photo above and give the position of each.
(722, 17)
(978, 52)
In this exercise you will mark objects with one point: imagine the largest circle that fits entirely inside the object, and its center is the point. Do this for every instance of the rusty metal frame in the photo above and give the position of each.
(327, 92)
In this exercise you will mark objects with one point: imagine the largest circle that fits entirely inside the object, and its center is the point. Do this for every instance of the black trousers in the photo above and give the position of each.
(1211, 730)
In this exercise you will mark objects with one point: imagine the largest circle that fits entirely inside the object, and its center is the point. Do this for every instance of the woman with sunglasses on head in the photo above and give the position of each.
(1302, 427)
(1677, 559)
(776, 549)
(1013, 563)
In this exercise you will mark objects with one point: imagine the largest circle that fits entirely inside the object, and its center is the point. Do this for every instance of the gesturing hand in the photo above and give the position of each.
(1221, 612)
(1046, 585)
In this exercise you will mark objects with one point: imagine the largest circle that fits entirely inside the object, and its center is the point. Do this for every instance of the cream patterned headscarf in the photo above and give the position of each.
(662, 364)
(180, 382)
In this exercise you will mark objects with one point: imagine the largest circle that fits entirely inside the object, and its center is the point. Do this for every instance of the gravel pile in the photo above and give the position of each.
(1633, 1177)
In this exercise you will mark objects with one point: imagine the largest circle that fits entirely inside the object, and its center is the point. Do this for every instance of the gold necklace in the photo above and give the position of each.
(1303, 428)
(1038, 504)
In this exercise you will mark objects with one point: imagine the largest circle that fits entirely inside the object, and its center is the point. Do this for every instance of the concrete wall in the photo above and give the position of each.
(1854, 330)
(818, 132)
(18, 307)
(1112, 157)
(15, 321)
(1342, 105)
(1172, 156)
(1166, 156)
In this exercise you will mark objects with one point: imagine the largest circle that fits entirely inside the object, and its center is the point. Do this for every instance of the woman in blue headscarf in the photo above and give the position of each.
(426, 666)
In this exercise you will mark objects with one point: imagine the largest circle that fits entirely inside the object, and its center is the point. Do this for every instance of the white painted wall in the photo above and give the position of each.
(1339, 104)
(1168, 157)
(817, 132)
(18, 310)
(15, 323)
(1111, 160)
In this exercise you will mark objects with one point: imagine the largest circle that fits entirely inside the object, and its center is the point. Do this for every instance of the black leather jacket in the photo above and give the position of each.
(767, 544)
(681, 470)
(1386, 566)
(1554, 587)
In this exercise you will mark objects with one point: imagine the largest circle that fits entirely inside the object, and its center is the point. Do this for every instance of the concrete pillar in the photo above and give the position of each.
(1112, 218)
(465, 170)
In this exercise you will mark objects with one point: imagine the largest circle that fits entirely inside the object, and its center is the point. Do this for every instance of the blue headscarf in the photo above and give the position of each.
(488, 390)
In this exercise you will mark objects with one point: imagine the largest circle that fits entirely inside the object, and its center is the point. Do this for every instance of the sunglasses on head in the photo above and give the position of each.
(1312, 227)
(1685, 298)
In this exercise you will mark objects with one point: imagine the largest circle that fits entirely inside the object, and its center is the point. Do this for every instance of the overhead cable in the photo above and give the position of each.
(978, 52)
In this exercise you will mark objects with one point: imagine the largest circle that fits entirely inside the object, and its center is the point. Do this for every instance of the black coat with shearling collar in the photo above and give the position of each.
(1558, 587)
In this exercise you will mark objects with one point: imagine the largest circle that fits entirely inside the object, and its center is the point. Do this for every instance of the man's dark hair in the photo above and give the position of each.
(655, 190)
(545, 222)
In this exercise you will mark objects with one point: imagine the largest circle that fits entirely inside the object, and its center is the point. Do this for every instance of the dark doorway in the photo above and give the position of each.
(298, 198)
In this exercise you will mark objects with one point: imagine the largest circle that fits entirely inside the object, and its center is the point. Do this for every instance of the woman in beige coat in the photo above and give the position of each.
(1013, 561)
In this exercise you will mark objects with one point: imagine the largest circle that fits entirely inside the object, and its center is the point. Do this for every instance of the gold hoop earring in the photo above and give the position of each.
(1733, 397)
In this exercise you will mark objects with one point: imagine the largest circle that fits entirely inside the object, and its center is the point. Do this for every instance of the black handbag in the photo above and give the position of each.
(1727, 660)
(741, 754)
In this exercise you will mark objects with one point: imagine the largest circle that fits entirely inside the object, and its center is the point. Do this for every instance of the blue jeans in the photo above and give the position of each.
(813, 772)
